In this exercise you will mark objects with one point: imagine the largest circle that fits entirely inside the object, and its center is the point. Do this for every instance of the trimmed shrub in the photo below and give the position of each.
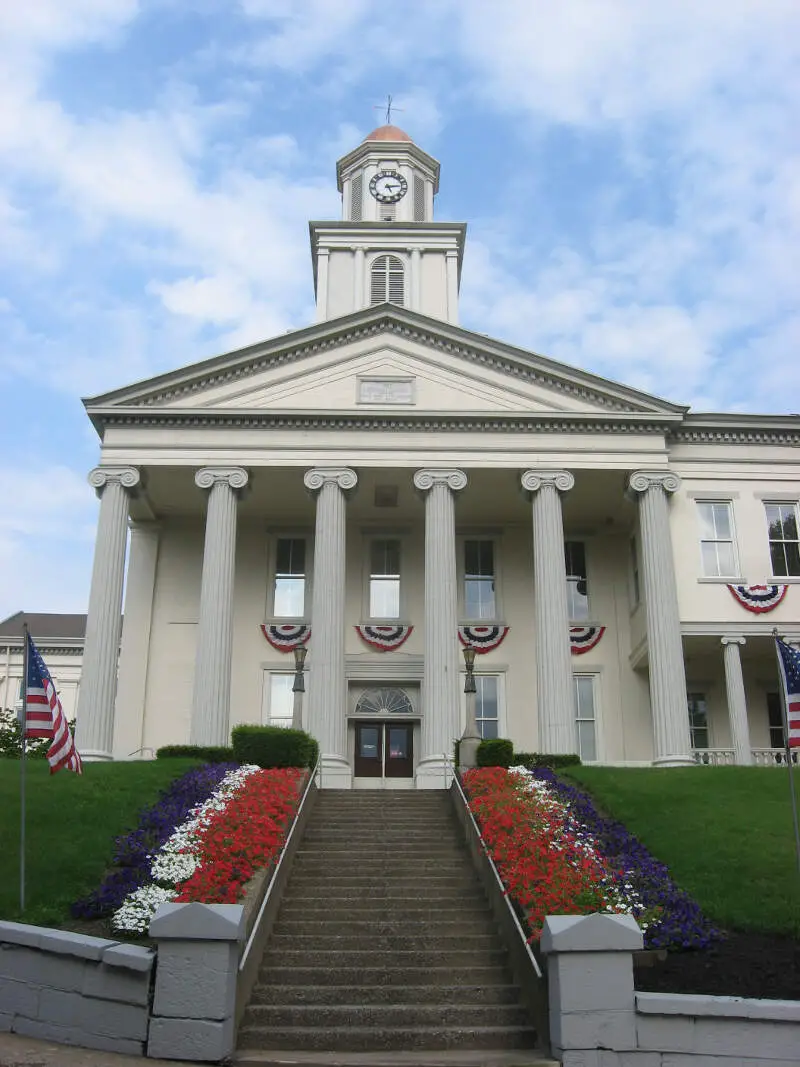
(554, 760)
(274, 746)
(498, 752)
(206, 753)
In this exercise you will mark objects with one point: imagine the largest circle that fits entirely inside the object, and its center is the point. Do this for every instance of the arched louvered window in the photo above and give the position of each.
(387, 281)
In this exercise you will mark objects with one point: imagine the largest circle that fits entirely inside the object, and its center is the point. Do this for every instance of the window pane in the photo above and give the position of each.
(384, 598)
(584, 696)
(281, 699)
(290, 556)
(706, 517)
(289, 598)
(792, 559)
(777, 556)
(487, 705)
(722, 521)
(577, 600)
(710, 562)
(385, 557)
(789, 522)
(575, 558)
(488, 729)
(725, 558)
(479, 601)
(479, 558)
(587, 748)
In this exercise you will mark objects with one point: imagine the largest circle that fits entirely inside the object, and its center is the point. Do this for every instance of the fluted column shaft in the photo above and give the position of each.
(440, 681)
(95, 729)
(327, 684)
(211, 697)
(737, 702)
(555, 698)
(672, 741)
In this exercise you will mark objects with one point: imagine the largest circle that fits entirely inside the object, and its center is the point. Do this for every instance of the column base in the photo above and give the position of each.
(674, 761)
(468, 752)
(94, 755)
(335, 773)
(434, 772)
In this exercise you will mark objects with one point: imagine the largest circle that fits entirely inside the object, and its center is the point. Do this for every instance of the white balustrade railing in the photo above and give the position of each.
(772, 757)
(714, 757)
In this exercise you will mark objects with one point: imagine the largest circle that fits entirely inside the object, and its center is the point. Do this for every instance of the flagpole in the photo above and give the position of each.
(22, 763)
(789, 760)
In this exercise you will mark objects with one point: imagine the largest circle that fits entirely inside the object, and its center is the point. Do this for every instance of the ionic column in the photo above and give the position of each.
(326, 717)
(737, 703)
(95, 729)
(555, 698)
(440, 681)
(671, 737)
(211, 697)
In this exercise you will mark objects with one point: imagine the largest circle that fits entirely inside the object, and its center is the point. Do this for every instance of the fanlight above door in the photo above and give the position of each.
(384, 702)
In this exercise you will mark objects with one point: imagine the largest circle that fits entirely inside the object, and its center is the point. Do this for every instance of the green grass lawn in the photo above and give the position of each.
(72, 821)
(725, 833)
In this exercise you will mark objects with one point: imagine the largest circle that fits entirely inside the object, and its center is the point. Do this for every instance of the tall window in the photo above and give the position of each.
(384, 579)
(698, 719)
(278, 702)
(716, 538)
(387, 281)
(577, 590)
(775, 715)
(290, 578)
(585, 717)
(784, 543)
(487, 705)
(479, 581)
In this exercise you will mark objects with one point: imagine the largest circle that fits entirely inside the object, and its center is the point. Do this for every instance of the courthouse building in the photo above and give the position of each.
(385, 486)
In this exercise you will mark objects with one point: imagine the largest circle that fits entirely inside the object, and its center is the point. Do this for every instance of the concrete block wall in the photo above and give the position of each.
(597, 1019)
(74, 989)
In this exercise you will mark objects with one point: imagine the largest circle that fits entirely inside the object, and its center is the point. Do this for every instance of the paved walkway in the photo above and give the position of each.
(18, 1051)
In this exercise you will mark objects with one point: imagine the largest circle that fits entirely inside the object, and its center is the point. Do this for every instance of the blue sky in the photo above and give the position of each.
(629, 171)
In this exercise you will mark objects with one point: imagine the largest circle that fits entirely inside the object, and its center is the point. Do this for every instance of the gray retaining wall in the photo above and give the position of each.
(597, 1019)
(74, 989)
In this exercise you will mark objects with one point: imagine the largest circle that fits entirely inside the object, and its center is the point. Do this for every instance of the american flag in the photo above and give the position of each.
(789, 665)
(44, 716)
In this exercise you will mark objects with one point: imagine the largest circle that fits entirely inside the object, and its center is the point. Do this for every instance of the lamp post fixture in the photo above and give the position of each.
(298, 686)
(470, 739)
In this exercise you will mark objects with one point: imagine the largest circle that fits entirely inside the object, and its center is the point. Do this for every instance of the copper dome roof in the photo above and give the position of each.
(388, 133)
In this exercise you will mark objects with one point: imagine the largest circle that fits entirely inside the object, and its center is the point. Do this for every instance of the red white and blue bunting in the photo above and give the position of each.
(482, 638)
(384, 638)
(759, 598)
(286, 636)
(584, 638)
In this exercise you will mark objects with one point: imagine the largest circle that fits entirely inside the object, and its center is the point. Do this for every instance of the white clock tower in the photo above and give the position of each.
(387, 246)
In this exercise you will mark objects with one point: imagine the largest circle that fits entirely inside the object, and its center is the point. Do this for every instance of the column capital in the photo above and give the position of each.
(734, 639)
(533, 480)
(234, 477)
(426, 478)
(128, 477)
(344, 477)
(641, 481)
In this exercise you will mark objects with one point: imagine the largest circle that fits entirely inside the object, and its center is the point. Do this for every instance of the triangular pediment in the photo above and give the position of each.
(380, 359)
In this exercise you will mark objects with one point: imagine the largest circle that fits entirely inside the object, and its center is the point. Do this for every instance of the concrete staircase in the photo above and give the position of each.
(385, 941)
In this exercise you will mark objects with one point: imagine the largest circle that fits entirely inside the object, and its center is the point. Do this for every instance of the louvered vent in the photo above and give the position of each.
(419, 199)
(387, 281)
(387, 212)
(356, 187)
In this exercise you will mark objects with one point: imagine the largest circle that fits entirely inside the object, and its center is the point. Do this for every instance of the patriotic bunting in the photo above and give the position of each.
(584, 638)
(482, 638)
(287, 636)
(384, 638)
(759, 598)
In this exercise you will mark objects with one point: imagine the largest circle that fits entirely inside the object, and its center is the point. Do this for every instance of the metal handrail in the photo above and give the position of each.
(514, 915)
(268, 891)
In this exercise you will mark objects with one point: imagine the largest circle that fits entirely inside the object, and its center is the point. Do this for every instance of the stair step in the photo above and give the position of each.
(371, 1039)
(394, 941)
(384, 958)
(382, 994)
(370, 911)
(384, 926)
(418, 885)
(332, 1016)
(384, 897)
(407, 974)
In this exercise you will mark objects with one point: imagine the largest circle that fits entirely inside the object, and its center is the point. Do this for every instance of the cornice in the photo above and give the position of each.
(53, 646)
(385, 319)
(740, 430)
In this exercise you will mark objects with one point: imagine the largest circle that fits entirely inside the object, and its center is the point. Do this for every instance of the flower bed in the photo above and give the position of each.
(557, 855)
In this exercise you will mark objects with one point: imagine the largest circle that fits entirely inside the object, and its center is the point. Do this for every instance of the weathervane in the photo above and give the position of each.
(379, 107)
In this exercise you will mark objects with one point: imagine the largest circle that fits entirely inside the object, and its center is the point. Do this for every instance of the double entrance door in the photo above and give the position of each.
(384, 750)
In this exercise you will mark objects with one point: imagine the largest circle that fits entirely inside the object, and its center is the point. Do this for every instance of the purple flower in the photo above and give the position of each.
(132, 851)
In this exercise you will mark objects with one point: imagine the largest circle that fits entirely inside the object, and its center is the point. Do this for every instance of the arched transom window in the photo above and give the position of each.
(387, 281)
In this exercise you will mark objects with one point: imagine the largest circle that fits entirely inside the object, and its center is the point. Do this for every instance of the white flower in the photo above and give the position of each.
(138, 908)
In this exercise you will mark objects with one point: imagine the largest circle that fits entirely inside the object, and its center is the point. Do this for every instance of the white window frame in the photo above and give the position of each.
(500, 674)
(404, 259)
(595, 677)
(699, 691)
(367, 537)
(272, 558)
(728, 502)
(781, 503)
(581, 541)
(479, 535)
(267, 696)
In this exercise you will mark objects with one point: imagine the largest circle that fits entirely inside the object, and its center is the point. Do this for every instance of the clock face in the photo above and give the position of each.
(388, 186)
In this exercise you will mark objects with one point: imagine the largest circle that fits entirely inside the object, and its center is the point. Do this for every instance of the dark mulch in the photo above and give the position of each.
(743, 965)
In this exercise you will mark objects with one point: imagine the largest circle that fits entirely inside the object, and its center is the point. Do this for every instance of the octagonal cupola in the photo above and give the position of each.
(387, 179)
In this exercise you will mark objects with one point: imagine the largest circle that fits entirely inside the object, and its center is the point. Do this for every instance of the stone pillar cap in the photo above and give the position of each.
(201, 922)
(590, 933)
